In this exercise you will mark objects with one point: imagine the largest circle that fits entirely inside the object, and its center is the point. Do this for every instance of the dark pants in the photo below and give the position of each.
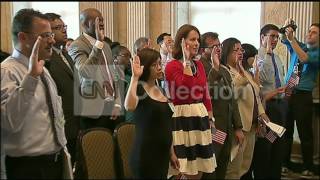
(222, 153)
(268, 157)
(38, 167)
(300, 109)
(72, 147)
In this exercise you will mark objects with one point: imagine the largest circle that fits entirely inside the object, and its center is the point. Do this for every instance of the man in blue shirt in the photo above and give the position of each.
(304, 62)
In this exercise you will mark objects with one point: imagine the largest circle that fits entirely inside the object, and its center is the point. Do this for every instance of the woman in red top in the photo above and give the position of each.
(192, 143)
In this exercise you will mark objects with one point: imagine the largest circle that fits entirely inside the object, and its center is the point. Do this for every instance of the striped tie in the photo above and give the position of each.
(50, 107)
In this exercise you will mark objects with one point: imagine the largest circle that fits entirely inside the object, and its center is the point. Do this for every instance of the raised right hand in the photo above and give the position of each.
(99, 32)
(35, 65)
(137, 70)
(215, 58)
(185, 50)
(269, 46)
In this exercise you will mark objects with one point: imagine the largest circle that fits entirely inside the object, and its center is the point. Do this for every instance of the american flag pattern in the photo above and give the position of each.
(218, 136)
(271, 136)
(293, 81)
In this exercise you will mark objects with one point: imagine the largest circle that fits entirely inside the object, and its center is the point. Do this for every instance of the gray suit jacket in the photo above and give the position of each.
(89, 62)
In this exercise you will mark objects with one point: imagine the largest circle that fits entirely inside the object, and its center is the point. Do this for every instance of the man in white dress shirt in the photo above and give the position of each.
(32, 121)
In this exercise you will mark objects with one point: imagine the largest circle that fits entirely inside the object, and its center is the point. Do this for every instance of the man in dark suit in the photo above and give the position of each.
(61, 69)
(225, 107)
(99, 89)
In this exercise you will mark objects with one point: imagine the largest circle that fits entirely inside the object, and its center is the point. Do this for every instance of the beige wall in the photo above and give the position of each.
(315, 17)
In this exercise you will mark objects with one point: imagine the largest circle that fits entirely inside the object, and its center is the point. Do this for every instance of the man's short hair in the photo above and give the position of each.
(160, 38)
(139, 44)
(207, 35)
(22, 21)
(268, 27)
(52, 16)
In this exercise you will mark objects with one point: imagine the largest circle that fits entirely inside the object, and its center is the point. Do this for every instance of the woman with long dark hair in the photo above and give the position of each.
(192, 142)
(152, 115)
(249, 103)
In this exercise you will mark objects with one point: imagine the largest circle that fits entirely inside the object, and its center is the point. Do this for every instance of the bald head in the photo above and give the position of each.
(87, 20)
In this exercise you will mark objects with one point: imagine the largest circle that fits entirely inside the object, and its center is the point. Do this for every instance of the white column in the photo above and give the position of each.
(301, 12)
(137, 22)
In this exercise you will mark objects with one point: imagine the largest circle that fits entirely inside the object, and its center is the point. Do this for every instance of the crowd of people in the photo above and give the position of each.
(179, 98)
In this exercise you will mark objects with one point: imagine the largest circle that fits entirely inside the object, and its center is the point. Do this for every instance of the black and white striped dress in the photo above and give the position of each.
(191, 133)
(192, 140)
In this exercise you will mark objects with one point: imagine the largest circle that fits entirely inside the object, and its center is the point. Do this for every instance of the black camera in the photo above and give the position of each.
(292, 25)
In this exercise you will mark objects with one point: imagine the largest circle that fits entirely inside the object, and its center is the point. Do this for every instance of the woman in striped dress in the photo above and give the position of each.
(192, 151)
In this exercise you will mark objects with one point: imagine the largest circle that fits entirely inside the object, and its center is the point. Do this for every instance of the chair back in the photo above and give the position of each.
(97, 149)
(124, 135)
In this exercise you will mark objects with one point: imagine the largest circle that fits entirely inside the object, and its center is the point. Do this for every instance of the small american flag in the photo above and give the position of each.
(271, 136)
(293, 81)
(181, 176)
(218, 136)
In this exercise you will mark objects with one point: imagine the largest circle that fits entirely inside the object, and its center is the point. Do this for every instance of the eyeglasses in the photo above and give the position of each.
(45, 35)
(60, 27)
(274, 37)
(241, 50)
(216, 45)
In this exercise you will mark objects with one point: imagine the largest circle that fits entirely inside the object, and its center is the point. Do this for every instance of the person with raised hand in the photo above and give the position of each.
(304, 63)
(92, 57)
(192, 118)
(61, 68)
(165, 41)
(152, 115)
(249, 104)
(32, 120)
(271, 75)
(226, 111)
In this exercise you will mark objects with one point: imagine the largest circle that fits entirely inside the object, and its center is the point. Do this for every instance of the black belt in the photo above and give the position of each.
(43, 158)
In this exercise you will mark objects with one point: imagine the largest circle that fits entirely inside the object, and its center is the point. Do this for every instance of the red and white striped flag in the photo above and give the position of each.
(271, 136)
(293, 81)
(218, 136)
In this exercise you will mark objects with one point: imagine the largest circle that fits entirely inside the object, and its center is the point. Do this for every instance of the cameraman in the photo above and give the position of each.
(305, 59)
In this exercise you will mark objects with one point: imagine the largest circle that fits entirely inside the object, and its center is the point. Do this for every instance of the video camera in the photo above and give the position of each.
(292, 24)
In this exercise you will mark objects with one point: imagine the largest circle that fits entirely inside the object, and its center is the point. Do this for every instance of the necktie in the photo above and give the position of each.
(50, 107)
(62, 55)
(108, 83)
(276, 73)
